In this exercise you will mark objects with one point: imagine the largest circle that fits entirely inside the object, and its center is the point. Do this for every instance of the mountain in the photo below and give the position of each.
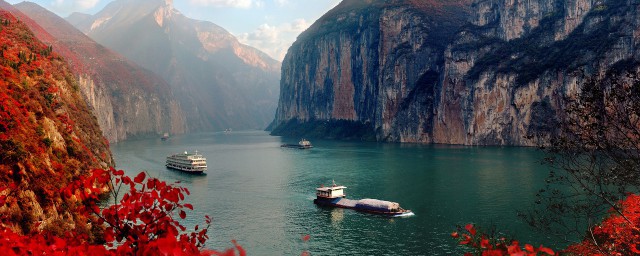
(48, 135)
(482, 72)
(127, 99)
(219, 82)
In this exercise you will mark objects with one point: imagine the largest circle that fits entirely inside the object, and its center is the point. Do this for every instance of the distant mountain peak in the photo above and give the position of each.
(125, 12)
(164, 12)
(222, 82)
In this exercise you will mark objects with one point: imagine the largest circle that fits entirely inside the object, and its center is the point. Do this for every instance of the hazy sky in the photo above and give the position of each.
(269, 25)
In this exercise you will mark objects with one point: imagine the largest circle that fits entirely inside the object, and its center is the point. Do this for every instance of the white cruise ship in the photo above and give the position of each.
(187, 162)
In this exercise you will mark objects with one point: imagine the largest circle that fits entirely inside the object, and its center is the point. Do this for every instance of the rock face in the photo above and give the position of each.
(219, 82)
(127, 99)
(484, 72)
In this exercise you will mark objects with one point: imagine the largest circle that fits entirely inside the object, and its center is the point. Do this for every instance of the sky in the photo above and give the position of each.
(269, 25)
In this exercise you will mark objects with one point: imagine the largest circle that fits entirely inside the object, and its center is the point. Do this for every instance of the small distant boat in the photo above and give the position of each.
(187, 162)
(228, 130)
(334, 196)
(165, 136)
(302, 144)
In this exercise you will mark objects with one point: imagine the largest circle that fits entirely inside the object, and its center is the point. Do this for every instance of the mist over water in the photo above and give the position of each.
(261, 194)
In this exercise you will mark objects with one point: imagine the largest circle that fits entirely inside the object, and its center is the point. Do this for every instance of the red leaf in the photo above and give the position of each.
(471, 229)
(306, 238)
(241, 251)
(183, 214)
(151, 183)
(455, 235)
(528, 247)
(484, 243)
(171, 197)
(138, 179)
(546, 250)
(189, 206)
(108, 236)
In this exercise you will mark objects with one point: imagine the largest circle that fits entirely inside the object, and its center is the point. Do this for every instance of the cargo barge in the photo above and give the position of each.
(302, 144)
(334, 196)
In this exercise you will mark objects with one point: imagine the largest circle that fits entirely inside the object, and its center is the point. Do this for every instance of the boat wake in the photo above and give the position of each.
(404, 215)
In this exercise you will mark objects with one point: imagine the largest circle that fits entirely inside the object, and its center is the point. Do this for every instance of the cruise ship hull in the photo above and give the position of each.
(184, 169)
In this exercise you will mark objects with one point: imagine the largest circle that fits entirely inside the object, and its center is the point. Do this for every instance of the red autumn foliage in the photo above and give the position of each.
(483, 244)
(48, 135)
(144, 215)
(45, 244)
(140, 223)
(48, 140)
(616, 235)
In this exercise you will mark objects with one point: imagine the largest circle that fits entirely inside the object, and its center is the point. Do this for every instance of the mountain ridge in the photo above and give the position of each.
(219, 82)
(127, 99)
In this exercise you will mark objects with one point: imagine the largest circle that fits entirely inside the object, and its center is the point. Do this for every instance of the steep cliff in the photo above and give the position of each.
(48, 135)
(508, 71)
(486, 72)
(219, 82)
(364, 60)
(127, 99)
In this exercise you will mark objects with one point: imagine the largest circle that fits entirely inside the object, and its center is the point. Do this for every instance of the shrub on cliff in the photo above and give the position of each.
(48, 135)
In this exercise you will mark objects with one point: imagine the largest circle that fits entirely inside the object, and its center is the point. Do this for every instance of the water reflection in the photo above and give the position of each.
(337, 215)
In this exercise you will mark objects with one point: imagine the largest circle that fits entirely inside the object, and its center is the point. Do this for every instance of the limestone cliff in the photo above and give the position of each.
(483, 72)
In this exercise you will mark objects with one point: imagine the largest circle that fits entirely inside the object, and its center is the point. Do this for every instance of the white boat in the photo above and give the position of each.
(304, 144)
(187, 162)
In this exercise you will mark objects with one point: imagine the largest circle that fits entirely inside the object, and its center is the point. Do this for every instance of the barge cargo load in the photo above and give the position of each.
(377, 205)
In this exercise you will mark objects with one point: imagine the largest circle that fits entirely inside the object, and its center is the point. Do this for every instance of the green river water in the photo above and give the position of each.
(261, 194)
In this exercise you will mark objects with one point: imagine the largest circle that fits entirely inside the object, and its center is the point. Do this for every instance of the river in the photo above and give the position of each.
(262, 195)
